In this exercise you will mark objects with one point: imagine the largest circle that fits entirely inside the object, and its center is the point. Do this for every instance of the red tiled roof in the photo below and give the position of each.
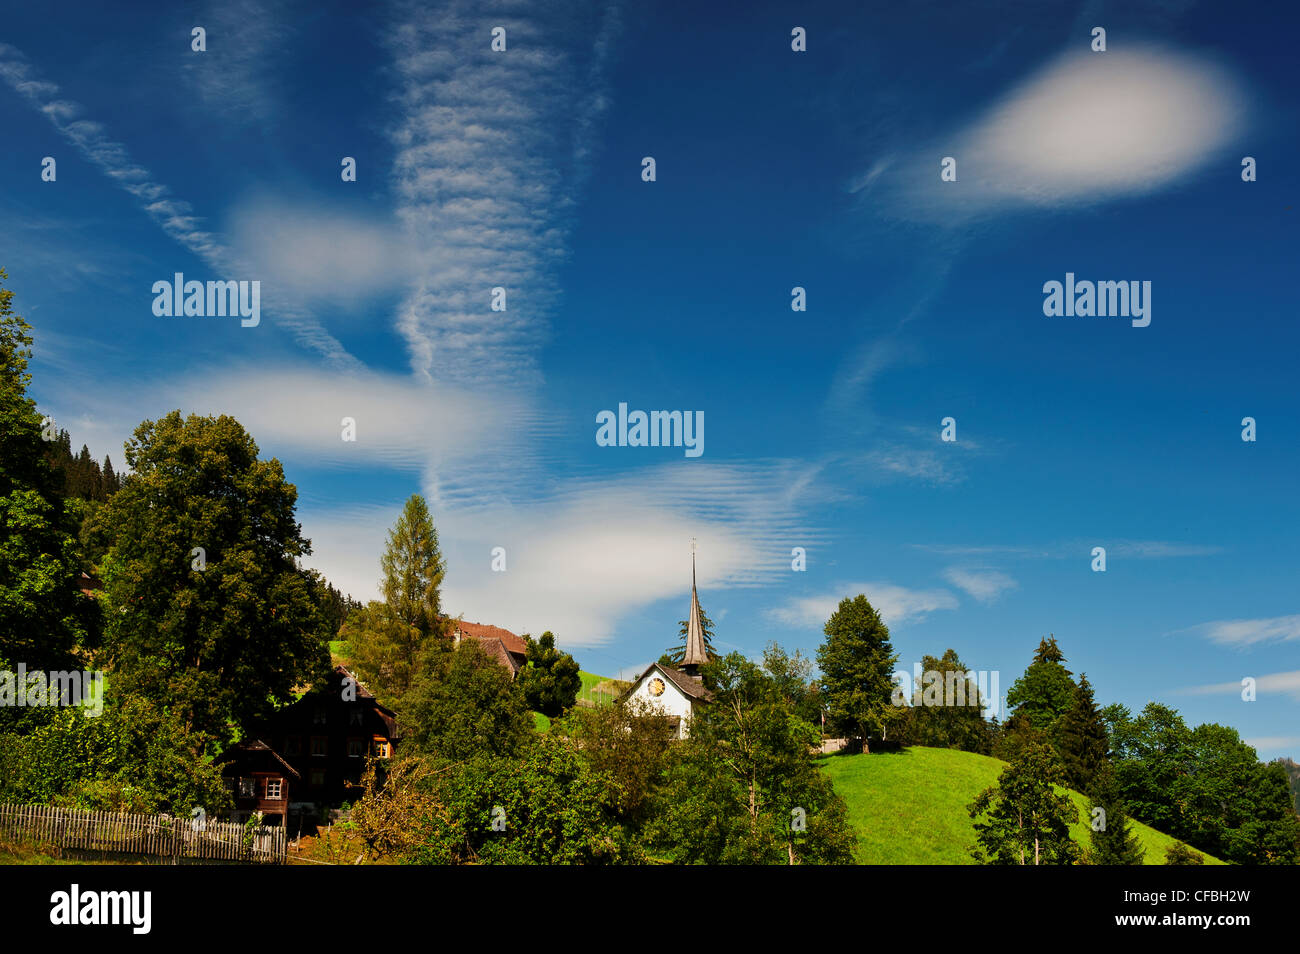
(511, 642)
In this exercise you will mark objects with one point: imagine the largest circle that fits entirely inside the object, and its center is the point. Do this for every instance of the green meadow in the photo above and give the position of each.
(909, 807)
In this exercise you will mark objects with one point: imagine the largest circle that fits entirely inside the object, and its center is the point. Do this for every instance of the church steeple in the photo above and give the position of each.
(696, 652)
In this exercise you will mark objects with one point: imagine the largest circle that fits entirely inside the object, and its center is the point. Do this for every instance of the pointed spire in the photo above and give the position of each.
(696, 653)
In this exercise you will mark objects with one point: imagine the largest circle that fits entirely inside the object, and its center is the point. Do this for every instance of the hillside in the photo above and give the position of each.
(909, 808)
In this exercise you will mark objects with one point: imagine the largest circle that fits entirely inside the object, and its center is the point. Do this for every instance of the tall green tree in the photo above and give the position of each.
(1045, 691)
(1081, 739)
(857, 663)
(1021, 820)
(43, 617)
(551, 680)
(388, 638)
(208, 611)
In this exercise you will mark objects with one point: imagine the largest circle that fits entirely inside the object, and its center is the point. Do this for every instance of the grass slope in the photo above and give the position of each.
(909, 808)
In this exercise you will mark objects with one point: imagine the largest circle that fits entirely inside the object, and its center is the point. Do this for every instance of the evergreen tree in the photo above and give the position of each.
(1022, 820)
(1113, 840)
(389, 638)
(551, 680)
(1045, 691)
(1081, 739)
(857, 664)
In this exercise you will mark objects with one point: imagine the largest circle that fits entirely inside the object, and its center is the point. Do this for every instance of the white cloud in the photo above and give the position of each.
(896, 604)
(1247, 632)
(1269, 744)
(319, 254)
(1088, 127)
(588, 555)
(175, 217)
(1287, 683)
(983, 584)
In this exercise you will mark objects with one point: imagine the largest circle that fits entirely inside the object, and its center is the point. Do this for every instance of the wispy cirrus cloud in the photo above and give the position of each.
(896, 604)
(980, 583)
(1287, 683)
(491, 149)
(174, 216)
(1249, 632)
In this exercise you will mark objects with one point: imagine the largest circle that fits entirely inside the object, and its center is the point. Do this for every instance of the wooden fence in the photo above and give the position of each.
(159, 835)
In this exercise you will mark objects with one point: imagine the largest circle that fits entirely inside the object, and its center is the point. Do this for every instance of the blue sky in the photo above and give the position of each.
(775, 169)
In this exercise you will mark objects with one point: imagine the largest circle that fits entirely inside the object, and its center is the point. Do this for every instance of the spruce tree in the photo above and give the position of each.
(1082, 739)
(1113, 840)
(1045, 691)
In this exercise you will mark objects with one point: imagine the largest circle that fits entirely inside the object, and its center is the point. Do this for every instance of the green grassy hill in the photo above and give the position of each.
(909, 807)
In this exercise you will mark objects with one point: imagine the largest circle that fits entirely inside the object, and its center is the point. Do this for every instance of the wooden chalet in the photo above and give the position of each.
(325, 737)
(259, 780)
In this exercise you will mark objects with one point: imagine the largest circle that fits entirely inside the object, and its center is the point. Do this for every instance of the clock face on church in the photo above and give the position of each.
(656, 686)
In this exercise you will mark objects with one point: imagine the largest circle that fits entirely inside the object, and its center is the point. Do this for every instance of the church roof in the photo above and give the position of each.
(691, 686)
(696, 652)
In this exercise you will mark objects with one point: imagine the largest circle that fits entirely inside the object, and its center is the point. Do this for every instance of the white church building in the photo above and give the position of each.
(678, 692)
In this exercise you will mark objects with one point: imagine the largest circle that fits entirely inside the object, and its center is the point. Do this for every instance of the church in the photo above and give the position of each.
(678, 692)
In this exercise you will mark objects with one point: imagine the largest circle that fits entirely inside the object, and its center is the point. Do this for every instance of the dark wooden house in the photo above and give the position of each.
(259, 780)
(325, 737)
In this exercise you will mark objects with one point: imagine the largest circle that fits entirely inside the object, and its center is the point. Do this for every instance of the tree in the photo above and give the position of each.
(628, 743)
(949, 723)
(1180, 854)
(1081, 739)
(466, 704)
(1045, 691)
(1113, 840)
(743, 787)
(43, 616)
(674, 655)
(388, 638)
(1022, 820)
(207, 608)
(543, 806)
(551, 680)
(857, 663)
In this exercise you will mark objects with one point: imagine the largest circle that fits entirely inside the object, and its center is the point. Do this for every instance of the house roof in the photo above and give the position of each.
(482, 631)
(690, 686)
(495, 648)
(257, 745)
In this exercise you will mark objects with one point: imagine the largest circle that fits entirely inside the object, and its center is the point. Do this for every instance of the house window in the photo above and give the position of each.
(293, 745)
(354, 748)
(317, 778)
(382, 748)
(319, 745)
(247, 787)
(356, 716)
(318, 716)
(273, 787)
